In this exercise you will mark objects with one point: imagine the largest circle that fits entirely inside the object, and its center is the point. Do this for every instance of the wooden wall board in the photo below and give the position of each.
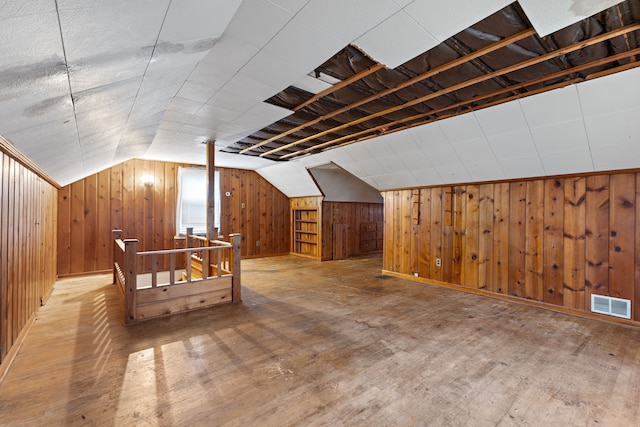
(622, 235)
(28, 232)
(425, 232)
(116, 199)
(436, 228)
(636, 300)
(501, 221)
(517, 234)
(458, 211)
(534, 230)
(552, 240)
(597, 235)
(574, 242)
(471, 237)
(485, 236)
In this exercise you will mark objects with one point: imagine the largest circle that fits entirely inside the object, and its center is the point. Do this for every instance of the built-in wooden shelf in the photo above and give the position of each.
(305, 232)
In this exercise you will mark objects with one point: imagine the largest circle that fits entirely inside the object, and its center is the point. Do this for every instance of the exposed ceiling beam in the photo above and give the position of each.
(371, 133)
(346, 82)
(402, 85)
(524, 64)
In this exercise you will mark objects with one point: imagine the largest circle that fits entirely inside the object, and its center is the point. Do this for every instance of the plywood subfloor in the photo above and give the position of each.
(321, 344)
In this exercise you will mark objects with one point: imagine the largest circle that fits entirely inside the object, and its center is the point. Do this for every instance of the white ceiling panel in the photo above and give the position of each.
(442, 155)
(40, 50)
(196, 92)
(473, 150)
(615, 128)
(427, 136)
(232, 101)
(35, 141)
(250, 88)
(391, 164)
(257, 21)
(415, 160)
(556, 106)
(396, 40)
(404, 179)
(292, 6)
(304, 43)
(230, 53)
(311, 84)
(197, 20)
(558, 137)
(485, 171)
(522, 167)
(34, 110)
(444, 19)
(14, 8)
(175, 116)
(548, 16)
(427, 176)
(620, 156)
(503, 118)
(455, 173)
(377, 147)
(403, 3)
(617, 92)
(272, 70)
(461, 128)
(292, 178)
(338, 17)
(513, 145)
(183, 105)
(572, 161)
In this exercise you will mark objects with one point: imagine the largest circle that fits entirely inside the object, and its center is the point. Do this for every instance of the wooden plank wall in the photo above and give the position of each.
(27, 247)
(362, 222)
(116, 198)
(257, 210)
(554, 240)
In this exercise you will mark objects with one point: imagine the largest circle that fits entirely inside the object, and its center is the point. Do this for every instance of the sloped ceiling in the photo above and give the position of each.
(87, 84)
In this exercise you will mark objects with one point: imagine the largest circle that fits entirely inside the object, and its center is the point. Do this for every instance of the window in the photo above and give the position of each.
(192, 200)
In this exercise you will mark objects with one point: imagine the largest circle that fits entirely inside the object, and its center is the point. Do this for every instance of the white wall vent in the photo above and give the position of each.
(609, 305)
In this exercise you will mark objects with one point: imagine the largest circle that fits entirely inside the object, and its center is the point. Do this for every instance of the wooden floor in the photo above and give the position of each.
(321, 344)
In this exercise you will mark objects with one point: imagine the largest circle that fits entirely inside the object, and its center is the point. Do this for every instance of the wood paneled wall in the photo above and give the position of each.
(351, 229)
(116, 198)
(553, 240)
(257, 210)
(27, 248)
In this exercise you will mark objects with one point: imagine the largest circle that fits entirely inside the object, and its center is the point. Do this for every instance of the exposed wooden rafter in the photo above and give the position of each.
(515, 67)
(376, 131)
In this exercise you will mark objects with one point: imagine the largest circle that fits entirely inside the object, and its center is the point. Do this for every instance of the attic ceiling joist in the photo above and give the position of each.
(492, 65)
(320, 95)
(402, 85)
(451, 110)
(465, 84)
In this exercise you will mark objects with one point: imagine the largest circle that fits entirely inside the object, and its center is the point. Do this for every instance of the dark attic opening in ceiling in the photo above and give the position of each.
(499, 59)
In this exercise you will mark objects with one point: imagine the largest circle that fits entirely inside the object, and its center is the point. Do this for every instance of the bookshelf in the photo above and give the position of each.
(305, 232)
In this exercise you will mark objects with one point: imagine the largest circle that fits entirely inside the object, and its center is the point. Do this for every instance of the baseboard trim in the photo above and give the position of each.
(15, 348)
(524, 301)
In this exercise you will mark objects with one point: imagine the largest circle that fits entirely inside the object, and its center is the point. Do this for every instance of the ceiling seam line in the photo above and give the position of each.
(66, 65)
(144, 74)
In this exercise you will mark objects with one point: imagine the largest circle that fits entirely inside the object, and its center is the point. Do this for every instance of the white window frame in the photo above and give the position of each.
(192, 194)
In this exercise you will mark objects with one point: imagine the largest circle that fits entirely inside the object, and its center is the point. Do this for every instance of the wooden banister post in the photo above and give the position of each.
(117, 235)
(189, 237)
(235, 240)
(131, 276)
